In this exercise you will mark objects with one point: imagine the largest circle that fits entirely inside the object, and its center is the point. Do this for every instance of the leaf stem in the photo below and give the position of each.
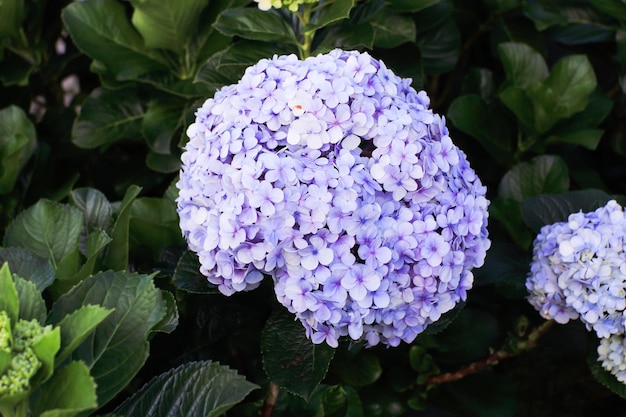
(493, 359)
(270, 400)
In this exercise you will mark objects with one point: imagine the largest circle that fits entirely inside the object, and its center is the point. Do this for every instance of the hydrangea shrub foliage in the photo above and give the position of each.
(337, 208)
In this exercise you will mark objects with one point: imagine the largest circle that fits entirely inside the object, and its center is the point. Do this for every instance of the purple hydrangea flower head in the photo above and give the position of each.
(612, 355)
(332, 176)
(579, 270)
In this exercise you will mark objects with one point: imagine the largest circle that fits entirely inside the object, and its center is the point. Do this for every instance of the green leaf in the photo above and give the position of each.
(347, 35)
(96, 208)
(70, 392)
(519, 102)
(46, 348)
(433, 15)
(546, 209)
(358, 371)
(166, 164)
(411, 6)
(205, 389)
(116, 256)
(577, 33)
(154, 223)
(333, 12)
(18, 141)
(96, 242)
(9, 299)
(598, 108)
(29, 266)
(393, 29)
(108, 116)
(31, 303)
(255, 24)
(440, 48)
(77, 326)
(13, 14)
(564, 93)
(51, 230)
(588, 138)
(543, 18)
(161, 122)
(167, 24)
(187, 276)
(502, 5)
(467, 113)
(603, 376)
(103, 32)
(613, 8)
(290, 359)
(522, 64)
(169, 322)
(118, 348)
(544, 174)
(508, 213)
(506, 264)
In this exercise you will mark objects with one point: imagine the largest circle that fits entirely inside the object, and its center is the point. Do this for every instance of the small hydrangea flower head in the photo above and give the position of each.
(612, 355)
(334, 177)
(579, 270)
(292, 5)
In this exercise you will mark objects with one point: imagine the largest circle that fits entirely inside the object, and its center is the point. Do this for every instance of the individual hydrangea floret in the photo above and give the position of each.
(24, 364)
(334, 177)
(579, 270)
(612, 355)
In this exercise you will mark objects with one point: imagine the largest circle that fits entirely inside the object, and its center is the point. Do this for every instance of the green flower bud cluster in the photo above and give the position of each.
(292, 5)
(18, 343)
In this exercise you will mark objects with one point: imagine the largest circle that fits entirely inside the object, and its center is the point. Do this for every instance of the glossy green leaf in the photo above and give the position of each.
(9, 299)
(77, 326)
(348, 36)
(118, 347)
(508, 213)
(187, 276)
(581, 33)
(393, 29)
(469, 337)
(564, 93)
(469, 112)
(440, 48)
(165, 164)
(542, 15)
(331, 13)
(13, 14)
(588, 138)
(544, 174)
(598, 108)
(18, 141)
(116, 256)
(290, 359)
(26, 264)
(96, 241)
(613, 8)
(505, 264)
(31, 303)
(522, 64)
(49, 229)
(97, 210)
(108, 116)
(15, 70)
(360, 370)
(433, 16)
(205, 389)
(519, 102)
(411, 6)
(154, 223)
(255, 24)
(546, 209)
(161, 122)
(167, 24)
(103, 32)
(70, 392)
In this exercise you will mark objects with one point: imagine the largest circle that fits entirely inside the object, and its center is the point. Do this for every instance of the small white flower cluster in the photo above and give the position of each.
(333, 176)
(579, 272)
(291, 5)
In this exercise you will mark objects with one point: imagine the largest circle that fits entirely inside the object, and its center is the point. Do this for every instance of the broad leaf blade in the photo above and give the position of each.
(9, 299)
(187, 276)
(255, 24)
(116, 256)
(13, 13)
(290, 359)
(522, 64)
(18, 141)
(96, 208)
(194, 389)
(29, 266)
(31, 303)
(544, 174)
(333, 12)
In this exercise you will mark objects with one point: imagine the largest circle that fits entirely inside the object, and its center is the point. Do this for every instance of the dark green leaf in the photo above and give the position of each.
(167, 24)
(108, 116)
(169, 322)
(165, 164)
(195, 389)
(588, 138)
(598, 108)
(445, 320)
(160, 123)
(255, 24)
(522, 64)
(393, 29)
(116, 256)
(68, 393)
(154, 223)
(613, 8)
(469, 336)
(9, 299)
(479, 81)
(433, 15)
(96, 208)
(15, 70)
(333, 12)
(51, 230)
(13, 13)
(77, 326)
(519, 102)
(440, 48)
(548, 209)
(541, 16)
(360, 370)
(544, 174)
(187, 276)
(347, 36)
(290, 359)
(508, 212)
(505, 264)
(486, 394)
(29, 266)
(411, 6)
(103, 32)
(118, 348)
(502, 5)
(603, 376)
(581, 33)
(32, 305)
(18, 141)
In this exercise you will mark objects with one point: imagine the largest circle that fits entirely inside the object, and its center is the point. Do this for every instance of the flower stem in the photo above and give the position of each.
(270, 400)
(305, 17)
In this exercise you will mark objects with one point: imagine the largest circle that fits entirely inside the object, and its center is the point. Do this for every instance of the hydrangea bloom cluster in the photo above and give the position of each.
(612, 354)
(579, 270)
(24, 363)
(292, 5)
(333, 176)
